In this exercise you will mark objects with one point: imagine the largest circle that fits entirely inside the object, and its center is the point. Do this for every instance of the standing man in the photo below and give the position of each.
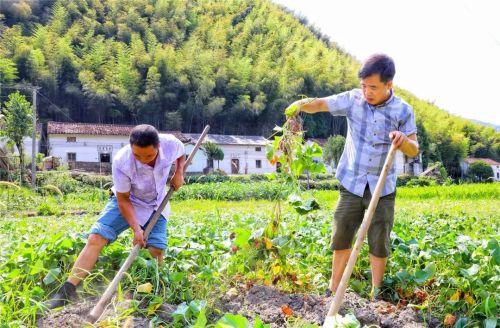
(376, 118)
(140, 172)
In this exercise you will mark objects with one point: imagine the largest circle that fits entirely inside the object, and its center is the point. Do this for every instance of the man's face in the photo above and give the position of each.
(145, 155)
(374, 90)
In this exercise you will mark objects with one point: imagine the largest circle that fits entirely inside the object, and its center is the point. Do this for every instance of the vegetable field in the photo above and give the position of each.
(445, 261)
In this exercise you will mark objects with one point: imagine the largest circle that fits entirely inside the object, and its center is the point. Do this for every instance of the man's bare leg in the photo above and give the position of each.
(83, 265)
(87, 258)
(156, 253)
(339, 262)
(378, 265)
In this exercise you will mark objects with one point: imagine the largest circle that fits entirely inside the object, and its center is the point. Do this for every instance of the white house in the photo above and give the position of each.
(242, 154)
(89, 146)
(464, 165)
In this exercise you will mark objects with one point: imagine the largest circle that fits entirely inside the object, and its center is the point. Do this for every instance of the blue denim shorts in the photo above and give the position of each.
(111, 223)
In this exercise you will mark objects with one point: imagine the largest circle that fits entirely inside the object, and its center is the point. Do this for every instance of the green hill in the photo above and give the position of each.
(182, 64)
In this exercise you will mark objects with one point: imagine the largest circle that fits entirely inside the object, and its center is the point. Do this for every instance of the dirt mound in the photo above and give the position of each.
(75, 315)
(71, 316)
(270, 304)
(273, 306)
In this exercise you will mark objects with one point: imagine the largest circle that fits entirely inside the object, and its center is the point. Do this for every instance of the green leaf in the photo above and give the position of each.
(461, 323)
(403, 275)
(257, 233)
(490, 323)
(422, 276)
(201, 321)
(242, 237)
(496, 256)
(232, 321)
(291, 110)
(197, 306)
(470, 271)
(51, 276)
(181, 311)
(259, 324)
(38, 267)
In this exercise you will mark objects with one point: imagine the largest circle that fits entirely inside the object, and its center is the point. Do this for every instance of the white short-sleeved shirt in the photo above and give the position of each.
(146, 184)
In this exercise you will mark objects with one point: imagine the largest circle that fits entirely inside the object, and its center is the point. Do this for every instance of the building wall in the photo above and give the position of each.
(496, 172)
(247, 156)
(86, 147)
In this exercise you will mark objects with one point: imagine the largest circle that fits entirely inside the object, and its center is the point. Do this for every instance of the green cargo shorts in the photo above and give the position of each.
(349, 215)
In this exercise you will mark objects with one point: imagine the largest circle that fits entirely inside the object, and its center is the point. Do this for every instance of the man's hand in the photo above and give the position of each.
(177, 180)
(139, 237)
(397, 138)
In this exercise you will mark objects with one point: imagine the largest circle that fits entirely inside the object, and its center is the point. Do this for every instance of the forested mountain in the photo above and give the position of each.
(180, 64)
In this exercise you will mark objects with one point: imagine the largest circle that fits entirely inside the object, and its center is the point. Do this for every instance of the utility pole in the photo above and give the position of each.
(33, 141)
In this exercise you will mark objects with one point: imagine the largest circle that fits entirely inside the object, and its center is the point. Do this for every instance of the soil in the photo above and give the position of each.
(270, 304)
(273, 306)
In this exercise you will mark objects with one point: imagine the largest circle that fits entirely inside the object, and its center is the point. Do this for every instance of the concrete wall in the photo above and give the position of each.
(86, 147)
(247, 156)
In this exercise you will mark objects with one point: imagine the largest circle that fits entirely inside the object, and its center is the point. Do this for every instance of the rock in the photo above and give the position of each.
(165, 311)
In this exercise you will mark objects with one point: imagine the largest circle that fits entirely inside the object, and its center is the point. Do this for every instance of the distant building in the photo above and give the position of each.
(90, 146)
(464, 166)
(242, 154)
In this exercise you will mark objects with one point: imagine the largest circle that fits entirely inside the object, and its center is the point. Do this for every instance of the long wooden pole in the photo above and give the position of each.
(106, 297)
(363, 230)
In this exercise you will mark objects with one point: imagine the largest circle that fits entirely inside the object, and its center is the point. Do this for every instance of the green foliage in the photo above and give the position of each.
(480, 171)
(180, 65)
(421, 182)
(213, 152)
(232, 191)
(333, 149)
(8, 71)
(17, 123)
(444, 260)
(69, 182)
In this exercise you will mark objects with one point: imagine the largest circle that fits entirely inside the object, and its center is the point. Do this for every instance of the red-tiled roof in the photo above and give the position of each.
(100, 129)
(489, 161)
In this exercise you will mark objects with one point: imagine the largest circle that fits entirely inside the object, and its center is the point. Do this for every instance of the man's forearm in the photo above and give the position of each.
(179, 165)
(409, 147)
(311, 105)
(127, 211)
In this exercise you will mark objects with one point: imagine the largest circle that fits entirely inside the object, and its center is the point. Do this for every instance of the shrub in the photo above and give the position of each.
(480, 171)
(421, 182)
(321, 185)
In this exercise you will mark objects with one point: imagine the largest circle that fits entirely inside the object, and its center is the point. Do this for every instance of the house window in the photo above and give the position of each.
(258, 148)
(258, 164)
(71, 157)
(105, 157)
(70, 139)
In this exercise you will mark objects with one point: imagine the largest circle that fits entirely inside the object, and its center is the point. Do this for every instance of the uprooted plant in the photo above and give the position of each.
(268, 250)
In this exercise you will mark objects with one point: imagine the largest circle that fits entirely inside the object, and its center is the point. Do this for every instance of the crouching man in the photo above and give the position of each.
(140, 172)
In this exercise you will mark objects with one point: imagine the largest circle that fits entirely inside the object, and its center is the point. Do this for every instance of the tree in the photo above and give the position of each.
(333, 149)
(480, 171)
(17, 123)
(8, 71)
(213, 152)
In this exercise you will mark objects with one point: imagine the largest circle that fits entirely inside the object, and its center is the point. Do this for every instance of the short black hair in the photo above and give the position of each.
(144, 135)
(378, 64)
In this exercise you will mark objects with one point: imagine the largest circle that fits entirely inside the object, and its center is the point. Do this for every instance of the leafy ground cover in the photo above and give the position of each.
(445, 259)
